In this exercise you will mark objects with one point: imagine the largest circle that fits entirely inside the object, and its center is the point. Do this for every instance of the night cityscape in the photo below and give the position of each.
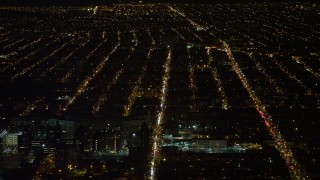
(160, 90)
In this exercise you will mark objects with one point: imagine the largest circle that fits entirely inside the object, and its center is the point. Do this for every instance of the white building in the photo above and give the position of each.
(10, 142)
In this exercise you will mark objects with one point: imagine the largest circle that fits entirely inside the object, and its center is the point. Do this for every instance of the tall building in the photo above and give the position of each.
(10, 142)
